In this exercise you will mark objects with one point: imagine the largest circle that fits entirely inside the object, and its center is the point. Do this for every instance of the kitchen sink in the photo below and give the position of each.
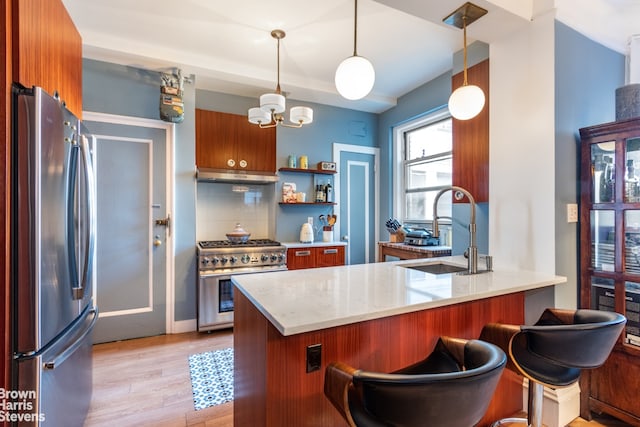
(437, 268)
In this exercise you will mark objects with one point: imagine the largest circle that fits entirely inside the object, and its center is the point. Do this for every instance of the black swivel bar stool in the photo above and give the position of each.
(452, 387)
(555, 350)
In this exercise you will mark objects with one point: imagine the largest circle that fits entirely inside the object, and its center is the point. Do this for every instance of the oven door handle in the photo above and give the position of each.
(207, 274)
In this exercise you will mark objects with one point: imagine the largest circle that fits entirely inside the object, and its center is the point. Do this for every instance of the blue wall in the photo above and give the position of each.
(586, 77)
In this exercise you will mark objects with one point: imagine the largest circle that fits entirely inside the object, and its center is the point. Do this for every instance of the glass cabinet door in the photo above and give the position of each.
(632, 163)
(603, 172)
(603, 240)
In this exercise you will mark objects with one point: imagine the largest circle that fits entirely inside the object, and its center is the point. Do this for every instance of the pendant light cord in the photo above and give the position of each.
(355, 29)
(278, 85)
(464, 30)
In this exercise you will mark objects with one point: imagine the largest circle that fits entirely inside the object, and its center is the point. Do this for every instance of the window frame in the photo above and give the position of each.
(400, 169)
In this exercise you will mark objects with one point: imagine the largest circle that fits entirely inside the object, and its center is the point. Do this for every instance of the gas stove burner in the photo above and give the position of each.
(212, 244)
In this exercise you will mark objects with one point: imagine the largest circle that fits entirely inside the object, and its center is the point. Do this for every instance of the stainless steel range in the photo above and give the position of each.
(218, 260)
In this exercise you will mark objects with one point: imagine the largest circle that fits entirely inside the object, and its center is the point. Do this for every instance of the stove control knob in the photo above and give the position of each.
(274, 257)
(233, 259)
(281, 257)
(206, 261)
(215, 260)
(224, 260)
(264, 257)
(245, 259)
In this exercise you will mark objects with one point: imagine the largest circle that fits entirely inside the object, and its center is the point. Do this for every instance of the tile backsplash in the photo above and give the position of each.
(219, 208)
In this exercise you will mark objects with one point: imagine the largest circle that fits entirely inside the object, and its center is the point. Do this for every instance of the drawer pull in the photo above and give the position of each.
(330, 251)
(303, 253)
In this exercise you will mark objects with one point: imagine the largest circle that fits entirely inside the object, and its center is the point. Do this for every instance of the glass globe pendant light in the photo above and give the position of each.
(355, 75)
(467, 101)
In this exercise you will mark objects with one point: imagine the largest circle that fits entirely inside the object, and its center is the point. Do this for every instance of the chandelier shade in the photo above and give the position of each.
(355, 77)
(257, 116)
(301, 115)
(272, 105)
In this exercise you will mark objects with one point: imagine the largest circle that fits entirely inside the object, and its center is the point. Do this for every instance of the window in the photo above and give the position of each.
(424, 148)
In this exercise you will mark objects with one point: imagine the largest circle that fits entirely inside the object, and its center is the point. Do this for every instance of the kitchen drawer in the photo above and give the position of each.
(329, 256)
(312, 257)
(299, 258)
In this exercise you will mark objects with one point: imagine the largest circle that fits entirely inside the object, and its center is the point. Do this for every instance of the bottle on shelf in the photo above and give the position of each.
(328, 192)
(320, 196)
(631, 191)
(608, 182)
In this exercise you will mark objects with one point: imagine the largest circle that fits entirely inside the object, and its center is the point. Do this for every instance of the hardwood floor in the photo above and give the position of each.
(146, 382)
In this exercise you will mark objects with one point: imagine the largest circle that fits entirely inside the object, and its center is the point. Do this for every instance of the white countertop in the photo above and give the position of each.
(300, 301)
(290, 245)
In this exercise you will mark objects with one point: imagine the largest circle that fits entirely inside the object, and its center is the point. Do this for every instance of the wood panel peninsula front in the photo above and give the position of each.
(379, 317)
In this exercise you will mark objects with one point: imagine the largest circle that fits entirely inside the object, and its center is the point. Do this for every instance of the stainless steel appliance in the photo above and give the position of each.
(52, 313)
(420, 237)
(218, 260)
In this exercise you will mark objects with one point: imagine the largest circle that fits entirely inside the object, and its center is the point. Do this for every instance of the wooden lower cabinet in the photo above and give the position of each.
(272, 387)
(317, 256)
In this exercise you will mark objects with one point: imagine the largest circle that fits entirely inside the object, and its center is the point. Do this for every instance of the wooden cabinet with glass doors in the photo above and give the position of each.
(610, 260)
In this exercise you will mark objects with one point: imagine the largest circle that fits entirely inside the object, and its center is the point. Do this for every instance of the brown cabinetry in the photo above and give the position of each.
(317, 256)
(610, 260)
(229, 142)
(48, 50)
(471, 140)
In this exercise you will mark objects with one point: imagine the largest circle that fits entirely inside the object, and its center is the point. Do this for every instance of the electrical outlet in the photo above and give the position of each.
(314, 357)
(572, 212)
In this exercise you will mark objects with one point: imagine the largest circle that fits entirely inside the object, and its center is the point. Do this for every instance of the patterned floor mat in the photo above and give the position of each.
(211, 378)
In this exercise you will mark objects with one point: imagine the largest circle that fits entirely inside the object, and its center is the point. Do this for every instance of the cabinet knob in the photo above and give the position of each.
(243, 163)
(231, 163)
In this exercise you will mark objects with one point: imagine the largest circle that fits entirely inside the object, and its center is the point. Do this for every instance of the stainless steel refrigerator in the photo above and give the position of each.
(53, 245)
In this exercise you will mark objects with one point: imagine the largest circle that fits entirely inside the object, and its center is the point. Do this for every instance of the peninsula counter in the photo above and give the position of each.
(380, 317)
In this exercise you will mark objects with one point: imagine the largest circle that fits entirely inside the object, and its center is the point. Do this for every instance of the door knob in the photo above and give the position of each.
(156, 240)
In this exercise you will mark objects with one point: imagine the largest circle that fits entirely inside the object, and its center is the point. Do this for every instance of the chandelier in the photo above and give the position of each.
(272, 105)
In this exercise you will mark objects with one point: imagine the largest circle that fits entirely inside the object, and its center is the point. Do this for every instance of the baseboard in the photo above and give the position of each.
(182, 326)
(560, 406)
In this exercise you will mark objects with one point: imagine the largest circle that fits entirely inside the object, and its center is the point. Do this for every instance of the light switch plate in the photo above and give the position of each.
(572, 212)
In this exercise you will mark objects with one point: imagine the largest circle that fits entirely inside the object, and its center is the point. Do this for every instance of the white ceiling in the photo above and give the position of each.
(228, 47)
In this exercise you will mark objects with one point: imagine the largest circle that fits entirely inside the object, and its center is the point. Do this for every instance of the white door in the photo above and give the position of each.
(133, 240)
(357, 192)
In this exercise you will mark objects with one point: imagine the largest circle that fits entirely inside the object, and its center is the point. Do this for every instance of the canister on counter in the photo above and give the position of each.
(292, 161)
(304, 162)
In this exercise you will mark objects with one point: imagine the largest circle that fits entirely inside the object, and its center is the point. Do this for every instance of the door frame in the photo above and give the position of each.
(169, 129)
(338, 148)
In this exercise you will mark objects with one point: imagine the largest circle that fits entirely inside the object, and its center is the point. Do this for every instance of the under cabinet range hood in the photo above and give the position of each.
(235, 177)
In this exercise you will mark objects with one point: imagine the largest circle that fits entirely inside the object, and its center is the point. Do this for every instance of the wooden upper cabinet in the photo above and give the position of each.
(229, 141)
(471, 140)
(47, 50)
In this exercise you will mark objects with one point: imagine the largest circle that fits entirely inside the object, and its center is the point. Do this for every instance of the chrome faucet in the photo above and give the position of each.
(472, 250)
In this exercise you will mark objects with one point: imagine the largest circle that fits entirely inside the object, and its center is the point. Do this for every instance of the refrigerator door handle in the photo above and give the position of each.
(81, 283)
(59, 359)
(91, 213)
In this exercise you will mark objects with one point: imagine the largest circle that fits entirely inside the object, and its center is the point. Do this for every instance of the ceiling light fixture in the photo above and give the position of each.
(272, 105)
(467, 101)
(355, 75)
